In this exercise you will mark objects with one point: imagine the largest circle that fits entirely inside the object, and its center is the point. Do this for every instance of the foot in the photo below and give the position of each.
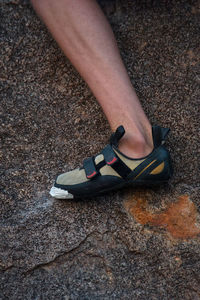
(136, 145)
(112, 169)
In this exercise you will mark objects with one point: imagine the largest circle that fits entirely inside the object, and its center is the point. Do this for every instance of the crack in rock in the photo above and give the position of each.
(56, 259)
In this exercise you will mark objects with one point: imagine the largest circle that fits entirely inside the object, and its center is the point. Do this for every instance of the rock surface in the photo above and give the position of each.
(132, 244)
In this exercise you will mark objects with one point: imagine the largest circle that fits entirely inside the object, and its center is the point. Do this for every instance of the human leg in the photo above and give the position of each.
(82, 31)
(137, 157)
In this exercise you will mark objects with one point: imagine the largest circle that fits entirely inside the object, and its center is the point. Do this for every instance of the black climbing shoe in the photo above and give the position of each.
(111, 169)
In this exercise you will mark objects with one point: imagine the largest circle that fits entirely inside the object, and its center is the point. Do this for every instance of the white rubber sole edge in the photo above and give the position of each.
(60, 194)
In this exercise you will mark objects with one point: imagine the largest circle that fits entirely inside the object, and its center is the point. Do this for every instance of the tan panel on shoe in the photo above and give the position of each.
(99, 158)
(107, 170)
(76, 176)
(72, 177)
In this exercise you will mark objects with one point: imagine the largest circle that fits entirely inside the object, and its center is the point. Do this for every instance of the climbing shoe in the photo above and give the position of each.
(111, 170)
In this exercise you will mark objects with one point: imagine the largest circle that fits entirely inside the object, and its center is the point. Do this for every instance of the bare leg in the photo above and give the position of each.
(82, 31)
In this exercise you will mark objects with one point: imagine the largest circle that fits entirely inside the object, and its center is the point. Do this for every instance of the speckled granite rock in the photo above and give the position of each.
(133, 244)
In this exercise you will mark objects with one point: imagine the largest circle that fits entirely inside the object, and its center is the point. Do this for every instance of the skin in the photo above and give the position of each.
(85, 36)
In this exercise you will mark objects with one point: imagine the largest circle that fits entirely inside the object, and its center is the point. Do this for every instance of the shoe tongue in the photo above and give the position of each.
(117, 135)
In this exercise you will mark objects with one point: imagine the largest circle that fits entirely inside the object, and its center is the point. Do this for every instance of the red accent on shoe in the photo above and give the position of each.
(91, 175)
(112, 161)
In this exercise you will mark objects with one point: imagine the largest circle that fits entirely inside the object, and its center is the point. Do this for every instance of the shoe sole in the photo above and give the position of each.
(59, 193)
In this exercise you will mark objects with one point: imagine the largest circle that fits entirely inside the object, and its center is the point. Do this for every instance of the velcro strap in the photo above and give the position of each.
(115, 162)
(109, 155)
(90, 169)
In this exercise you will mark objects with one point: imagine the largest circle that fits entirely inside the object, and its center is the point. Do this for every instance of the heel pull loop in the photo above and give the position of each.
(164, 133)
(159, 135)
(117, 135)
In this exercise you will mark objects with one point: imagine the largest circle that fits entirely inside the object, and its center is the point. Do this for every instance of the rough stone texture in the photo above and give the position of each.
(132, 244)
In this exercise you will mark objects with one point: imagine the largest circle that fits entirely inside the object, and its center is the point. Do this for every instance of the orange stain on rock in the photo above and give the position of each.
(179, 218)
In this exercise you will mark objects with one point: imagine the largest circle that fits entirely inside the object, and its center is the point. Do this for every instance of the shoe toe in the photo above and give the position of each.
(60, 193)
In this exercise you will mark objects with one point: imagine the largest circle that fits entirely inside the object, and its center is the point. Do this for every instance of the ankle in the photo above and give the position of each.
(136, 145)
